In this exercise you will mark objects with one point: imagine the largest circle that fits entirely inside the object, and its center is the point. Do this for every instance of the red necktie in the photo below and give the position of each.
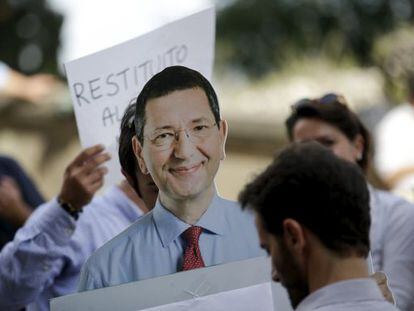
(192, 255)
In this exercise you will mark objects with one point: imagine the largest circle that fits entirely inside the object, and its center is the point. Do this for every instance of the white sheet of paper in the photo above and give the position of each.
(257, 297)
(179, 288)
(104, 83)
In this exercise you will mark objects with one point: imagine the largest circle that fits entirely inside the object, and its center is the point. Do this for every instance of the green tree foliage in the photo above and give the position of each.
(29, 35)
(261, 35)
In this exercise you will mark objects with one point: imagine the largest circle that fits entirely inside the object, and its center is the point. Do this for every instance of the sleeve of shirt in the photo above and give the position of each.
(398, 257)
(35, 257)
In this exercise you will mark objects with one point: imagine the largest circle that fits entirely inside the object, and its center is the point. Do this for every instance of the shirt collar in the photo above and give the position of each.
(170, 227)
(213, 218)
(355, 290)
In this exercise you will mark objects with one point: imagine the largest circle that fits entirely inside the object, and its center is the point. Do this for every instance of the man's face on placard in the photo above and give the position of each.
(285, 267)
(182, 145)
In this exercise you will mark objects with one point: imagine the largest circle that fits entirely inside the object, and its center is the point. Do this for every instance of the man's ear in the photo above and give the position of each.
(223, 138)
(136, 145)
(294, 236)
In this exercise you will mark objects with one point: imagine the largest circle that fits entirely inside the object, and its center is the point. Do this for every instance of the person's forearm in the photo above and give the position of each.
(34, 258)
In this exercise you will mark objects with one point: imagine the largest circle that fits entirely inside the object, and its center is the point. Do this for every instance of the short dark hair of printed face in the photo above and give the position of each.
(125, 150)
(327, 195)
(174, 78)
(336, 114)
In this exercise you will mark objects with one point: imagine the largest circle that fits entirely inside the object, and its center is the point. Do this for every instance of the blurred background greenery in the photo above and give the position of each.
(29, 33)
(254, 37)
(260, 36)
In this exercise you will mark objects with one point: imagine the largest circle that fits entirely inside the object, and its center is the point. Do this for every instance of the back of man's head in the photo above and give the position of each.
(327, 195)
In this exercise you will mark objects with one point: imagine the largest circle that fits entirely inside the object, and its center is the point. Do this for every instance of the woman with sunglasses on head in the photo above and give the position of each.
(330, 122)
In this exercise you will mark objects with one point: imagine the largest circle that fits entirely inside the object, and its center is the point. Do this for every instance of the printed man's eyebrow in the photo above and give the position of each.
(165, 127)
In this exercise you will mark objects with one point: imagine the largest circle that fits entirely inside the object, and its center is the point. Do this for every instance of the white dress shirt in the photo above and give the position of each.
(352, 295)
(153, 245)
(392, 244)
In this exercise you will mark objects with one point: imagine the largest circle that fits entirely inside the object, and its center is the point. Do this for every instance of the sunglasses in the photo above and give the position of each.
(327, 99)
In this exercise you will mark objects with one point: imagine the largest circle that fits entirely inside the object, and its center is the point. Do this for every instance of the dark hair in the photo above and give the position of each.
(125, 151)
(335, 113)
(172, 79)
(324, 193)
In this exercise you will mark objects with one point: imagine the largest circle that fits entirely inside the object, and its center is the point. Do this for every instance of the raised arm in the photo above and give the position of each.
(36, 256)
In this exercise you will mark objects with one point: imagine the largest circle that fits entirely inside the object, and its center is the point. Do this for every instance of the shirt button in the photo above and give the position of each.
(46, 267)
(68, 231)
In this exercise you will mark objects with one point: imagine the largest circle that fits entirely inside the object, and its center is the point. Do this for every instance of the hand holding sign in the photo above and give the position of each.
(83, 177)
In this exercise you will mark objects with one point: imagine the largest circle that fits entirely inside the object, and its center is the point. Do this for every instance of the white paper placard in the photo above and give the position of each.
(221, 285)
(257, 298)
(104, 83)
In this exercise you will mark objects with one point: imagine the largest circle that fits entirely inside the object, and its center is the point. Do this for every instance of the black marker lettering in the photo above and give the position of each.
(160, 62)
(113, 84)
(107, 115)
(136, 75)
(94, 89)
(144, 66)
(79, 92)
(123, 73)
(170, 53)
(181, 54)
(111, 116)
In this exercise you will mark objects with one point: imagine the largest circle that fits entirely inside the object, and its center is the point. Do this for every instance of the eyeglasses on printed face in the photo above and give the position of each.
(327, 99)
(164, 139)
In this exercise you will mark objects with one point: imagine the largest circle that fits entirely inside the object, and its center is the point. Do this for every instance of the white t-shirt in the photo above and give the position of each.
(394, 147)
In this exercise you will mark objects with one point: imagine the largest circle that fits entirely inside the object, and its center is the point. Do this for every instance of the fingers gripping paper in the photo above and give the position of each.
(104, 83)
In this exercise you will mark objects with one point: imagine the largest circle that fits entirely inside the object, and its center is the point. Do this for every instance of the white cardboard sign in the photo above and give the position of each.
(241, 285)
(256, 297)
(104, 83)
